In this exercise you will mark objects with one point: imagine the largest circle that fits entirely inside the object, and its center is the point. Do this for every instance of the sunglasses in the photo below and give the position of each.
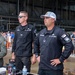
(46, 17)
(21, 16)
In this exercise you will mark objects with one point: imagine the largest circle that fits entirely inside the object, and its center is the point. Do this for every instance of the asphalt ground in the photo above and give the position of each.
(69, 64)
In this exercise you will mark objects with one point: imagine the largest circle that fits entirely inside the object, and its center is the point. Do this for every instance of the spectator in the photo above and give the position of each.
(73, 41)
(8, 40)
(3, 49)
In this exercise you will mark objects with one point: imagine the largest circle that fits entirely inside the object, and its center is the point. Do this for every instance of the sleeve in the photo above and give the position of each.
(3, 49)
(33, 33)
(14, 42)
(36, 46)
(71, 35)
(67, 43)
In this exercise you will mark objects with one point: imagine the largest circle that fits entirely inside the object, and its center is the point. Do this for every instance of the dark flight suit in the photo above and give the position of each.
(22, 45)
(48, 44)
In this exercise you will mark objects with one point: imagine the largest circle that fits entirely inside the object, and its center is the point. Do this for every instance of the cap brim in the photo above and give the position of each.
(42, 16)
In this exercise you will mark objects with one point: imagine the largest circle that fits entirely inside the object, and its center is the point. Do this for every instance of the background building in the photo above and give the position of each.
(64, 9)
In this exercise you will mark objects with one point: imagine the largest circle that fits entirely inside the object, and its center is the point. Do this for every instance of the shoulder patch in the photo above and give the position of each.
(66, 38)
(63, 36)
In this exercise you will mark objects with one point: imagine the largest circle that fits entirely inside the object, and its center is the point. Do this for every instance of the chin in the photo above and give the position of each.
(19, 22)
(46, 25)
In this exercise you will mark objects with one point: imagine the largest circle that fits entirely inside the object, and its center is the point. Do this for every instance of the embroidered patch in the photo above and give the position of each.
(64, 35)
(67, 39)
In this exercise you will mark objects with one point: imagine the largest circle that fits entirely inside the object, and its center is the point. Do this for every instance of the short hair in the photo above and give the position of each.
(25, 12)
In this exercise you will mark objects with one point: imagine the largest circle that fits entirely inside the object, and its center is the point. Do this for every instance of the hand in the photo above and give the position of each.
(13, 56)
(38, 59)
(55, 62)
(33, 59)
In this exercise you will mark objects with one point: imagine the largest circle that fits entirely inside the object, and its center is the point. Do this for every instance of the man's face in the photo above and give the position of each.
(48, 21)
(22, 18)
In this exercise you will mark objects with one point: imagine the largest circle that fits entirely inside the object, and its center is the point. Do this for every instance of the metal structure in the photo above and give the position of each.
(64, 9)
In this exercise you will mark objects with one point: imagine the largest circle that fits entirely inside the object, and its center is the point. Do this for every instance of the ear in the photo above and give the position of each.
(53, 20)
(26, 18)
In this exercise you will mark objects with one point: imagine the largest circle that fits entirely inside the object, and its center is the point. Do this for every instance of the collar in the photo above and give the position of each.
(49, 32)
(24, 27)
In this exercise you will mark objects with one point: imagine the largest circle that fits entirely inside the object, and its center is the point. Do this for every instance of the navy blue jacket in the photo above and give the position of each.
(48, 44)
(24, 37)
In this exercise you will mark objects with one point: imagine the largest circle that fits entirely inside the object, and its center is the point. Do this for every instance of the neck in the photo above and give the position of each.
(50, 27)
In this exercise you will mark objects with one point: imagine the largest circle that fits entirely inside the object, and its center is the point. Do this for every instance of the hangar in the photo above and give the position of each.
(64, 9)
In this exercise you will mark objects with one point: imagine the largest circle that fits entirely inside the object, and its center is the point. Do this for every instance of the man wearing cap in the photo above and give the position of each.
(48, 47)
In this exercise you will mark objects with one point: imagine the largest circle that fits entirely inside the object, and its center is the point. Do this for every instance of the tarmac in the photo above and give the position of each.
(69, 64)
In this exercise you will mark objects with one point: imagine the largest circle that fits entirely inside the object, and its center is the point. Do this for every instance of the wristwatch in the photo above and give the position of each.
(36, 56)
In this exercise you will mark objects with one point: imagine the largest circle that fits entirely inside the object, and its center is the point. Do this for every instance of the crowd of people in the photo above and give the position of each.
(73, 41)
(9, 36)
(47, 45)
